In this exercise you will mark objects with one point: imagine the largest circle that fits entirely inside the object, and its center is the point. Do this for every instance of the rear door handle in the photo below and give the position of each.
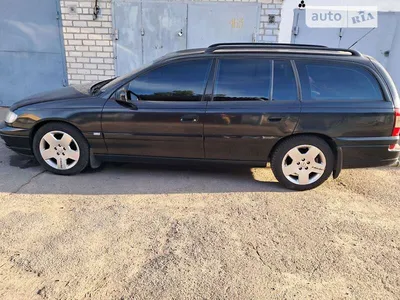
(190, 118)
(275, 119)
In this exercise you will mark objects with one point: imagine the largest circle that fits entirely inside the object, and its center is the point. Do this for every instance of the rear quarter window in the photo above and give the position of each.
(326, 81)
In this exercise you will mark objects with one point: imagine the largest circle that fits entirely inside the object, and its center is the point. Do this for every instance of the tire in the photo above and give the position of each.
(295, 167)
(61, 149)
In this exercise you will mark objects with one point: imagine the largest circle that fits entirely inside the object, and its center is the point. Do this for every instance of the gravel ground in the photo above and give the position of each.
(158, 232)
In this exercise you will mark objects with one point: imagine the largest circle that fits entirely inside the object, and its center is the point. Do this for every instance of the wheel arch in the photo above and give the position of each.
(41, 123)
(337, 151)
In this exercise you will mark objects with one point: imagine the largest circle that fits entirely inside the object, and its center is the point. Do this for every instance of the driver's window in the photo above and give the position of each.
(179, 81)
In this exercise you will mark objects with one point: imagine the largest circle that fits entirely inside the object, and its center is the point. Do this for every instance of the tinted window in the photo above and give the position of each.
(180, 81)
(333, 81)
(243, 79)
(285, 87)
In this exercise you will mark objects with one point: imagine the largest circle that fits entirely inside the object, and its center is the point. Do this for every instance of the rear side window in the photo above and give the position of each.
(337, 82)
(243, 80)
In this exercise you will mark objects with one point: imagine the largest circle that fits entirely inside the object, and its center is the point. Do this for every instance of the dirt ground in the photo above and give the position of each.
(159, 232)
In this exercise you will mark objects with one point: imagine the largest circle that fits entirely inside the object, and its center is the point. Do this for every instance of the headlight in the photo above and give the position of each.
(11, 117)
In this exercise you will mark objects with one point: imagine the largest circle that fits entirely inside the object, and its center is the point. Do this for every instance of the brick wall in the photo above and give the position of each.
(89, 43)
(270, 20)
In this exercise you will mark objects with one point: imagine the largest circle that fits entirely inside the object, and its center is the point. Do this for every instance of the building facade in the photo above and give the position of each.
(93, 44)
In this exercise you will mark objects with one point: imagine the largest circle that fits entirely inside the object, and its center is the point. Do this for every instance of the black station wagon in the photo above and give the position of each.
(308, 110)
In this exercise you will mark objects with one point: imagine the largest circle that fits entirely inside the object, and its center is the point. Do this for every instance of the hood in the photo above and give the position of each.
(70, 92)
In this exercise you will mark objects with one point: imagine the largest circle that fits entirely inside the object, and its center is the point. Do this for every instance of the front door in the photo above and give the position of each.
(169, 115)
(246, 117)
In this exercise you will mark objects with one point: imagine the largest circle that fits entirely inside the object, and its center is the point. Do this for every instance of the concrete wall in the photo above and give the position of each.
(89, 43)
(289, 5)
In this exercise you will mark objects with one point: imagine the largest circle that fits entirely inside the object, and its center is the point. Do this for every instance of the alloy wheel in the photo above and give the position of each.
(304, 164)
(59, 150)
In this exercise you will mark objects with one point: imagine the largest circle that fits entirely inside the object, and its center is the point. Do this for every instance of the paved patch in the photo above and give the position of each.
(157, 232)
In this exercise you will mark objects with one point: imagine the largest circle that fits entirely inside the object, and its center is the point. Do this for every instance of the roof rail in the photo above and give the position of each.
(279, 48)
(266, 44)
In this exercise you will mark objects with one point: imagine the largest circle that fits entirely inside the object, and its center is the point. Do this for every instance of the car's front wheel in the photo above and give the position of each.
(302, 162)
(61, 148)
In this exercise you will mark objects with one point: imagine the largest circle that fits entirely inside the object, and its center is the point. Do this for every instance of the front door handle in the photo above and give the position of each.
(190, 118)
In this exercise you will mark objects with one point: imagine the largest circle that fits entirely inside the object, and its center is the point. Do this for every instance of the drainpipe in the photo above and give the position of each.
(96, 10)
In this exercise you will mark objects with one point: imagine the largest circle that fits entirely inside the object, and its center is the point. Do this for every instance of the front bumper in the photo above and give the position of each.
(17, 139)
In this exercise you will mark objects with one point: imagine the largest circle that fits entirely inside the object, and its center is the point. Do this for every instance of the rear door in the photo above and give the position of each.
(168, 121)
(254, 104)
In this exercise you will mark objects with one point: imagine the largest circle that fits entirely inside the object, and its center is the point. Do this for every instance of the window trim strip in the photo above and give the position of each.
(271, 90)
(297, 78)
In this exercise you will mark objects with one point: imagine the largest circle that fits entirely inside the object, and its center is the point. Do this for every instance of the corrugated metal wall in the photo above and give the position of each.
(32, 58)
(147, 31)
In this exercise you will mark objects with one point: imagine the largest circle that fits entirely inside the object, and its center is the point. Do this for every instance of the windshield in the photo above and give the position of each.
(120, 79)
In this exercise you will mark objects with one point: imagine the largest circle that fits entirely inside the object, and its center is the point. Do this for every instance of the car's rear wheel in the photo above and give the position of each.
(61, 148)
(302, 162)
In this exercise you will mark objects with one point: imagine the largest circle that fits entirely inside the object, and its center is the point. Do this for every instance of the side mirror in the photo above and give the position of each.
(122, 95)
(126, 98)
